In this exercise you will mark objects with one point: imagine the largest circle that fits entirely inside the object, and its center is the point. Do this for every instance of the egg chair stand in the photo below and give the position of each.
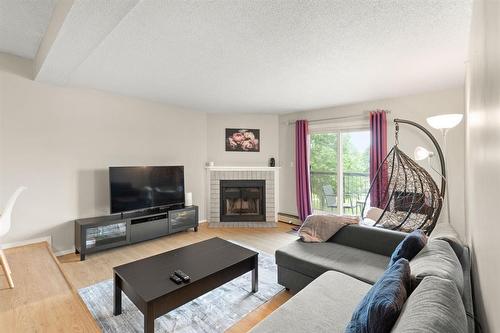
(406, 195)
(436, 145)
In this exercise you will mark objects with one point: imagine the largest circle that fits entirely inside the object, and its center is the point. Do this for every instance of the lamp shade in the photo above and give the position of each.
(421, 153)
(445, 121)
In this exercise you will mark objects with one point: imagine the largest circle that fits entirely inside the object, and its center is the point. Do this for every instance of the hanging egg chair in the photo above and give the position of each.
(403, 196)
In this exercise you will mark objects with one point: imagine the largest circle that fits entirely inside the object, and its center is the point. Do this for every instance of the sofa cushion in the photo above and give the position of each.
(313, 259)
(361, 237)
(437, 258)
(380, 308)
(409, 247)
(325, 305)
(445, 231)
(434, 307)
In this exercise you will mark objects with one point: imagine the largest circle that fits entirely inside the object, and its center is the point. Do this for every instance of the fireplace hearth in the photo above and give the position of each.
(242, 200)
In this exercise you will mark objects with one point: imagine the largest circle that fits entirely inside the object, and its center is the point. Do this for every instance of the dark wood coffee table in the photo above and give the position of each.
(210, 264)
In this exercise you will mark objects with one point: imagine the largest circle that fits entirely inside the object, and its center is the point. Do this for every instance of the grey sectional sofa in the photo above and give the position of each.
(331, 278)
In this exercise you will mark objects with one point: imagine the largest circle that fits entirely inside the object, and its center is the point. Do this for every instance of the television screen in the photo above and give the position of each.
(134, 188)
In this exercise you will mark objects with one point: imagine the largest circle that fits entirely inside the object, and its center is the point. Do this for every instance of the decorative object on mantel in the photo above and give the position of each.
(410, 198)
(239, 139)
(188, 200)
(272, 162)
(210, 164)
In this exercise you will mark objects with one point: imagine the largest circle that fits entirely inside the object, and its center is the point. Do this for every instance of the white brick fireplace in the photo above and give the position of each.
(217, 173)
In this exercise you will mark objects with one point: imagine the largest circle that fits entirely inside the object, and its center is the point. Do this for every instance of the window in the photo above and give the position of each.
(340, 162)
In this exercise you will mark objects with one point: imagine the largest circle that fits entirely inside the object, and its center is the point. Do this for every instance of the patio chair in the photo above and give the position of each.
(331, 199)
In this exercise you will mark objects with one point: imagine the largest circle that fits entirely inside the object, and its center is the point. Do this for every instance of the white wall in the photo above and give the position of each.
(416, 108)
(269, 138)
(59, 142)
(483, 160)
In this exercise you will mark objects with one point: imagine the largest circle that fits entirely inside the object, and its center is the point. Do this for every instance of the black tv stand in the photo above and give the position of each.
(95, 234)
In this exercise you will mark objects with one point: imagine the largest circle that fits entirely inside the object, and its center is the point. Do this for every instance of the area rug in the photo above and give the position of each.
(213, 312)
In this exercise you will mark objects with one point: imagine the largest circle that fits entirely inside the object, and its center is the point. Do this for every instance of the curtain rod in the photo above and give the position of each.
(365, 114)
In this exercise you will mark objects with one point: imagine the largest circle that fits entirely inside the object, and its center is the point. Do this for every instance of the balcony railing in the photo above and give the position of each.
(356, 186)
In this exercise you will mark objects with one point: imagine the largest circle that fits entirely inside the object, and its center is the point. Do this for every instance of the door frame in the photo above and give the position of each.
(338, 129)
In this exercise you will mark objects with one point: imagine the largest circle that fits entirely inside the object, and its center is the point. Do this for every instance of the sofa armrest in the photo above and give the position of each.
(372, 239)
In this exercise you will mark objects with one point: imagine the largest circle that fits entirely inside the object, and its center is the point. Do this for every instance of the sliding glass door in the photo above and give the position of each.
(339, 170)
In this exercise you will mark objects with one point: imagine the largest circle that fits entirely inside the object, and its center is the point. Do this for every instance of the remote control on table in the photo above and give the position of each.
(176, 279)
(182, 275)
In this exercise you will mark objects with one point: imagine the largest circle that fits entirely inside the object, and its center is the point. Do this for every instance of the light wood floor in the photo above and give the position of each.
(42, 300)
(98, 267)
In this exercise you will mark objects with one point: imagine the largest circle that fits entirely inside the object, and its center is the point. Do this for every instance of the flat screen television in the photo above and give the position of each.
(136, 188)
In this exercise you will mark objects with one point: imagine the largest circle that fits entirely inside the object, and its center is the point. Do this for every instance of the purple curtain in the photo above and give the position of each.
(303, 187)
(378, 151)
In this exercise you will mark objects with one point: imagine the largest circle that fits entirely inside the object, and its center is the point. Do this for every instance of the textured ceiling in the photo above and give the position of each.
(261, 56)
(23, 24)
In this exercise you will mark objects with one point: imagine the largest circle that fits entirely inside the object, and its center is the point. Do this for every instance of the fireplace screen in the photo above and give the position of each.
(242, 200)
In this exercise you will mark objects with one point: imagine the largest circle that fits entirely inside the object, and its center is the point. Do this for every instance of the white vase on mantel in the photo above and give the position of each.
(188, 200)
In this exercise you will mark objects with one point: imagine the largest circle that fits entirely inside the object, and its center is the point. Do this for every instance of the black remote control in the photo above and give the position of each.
(176, 279)
(182, 275)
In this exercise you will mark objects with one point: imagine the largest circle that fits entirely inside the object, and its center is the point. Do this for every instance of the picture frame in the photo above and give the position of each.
(242, 140)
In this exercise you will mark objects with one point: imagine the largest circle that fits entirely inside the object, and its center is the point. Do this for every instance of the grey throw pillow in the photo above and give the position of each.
(434, 307)
(437, 258)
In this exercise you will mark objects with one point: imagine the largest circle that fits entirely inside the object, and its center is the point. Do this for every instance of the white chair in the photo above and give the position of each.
(5, 221)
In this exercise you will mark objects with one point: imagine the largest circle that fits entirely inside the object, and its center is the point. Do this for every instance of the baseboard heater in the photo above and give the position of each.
(289, 218)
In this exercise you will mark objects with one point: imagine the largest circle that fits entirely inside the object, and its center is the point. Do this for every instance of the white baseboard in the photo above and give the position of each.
(202, 221)
(47, 239)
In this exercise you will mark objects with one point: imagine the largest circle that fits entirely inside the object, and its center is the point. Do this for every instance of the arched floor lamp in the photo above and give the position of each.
(444, 123)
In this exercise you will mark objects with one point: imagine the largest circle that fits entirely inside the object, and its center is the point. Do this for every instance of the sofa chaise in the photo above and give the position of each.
(331, 278)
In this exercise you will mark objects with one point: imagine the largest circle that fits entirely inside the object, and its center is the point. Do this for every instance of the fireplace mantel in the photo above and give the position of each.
(242, 168)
